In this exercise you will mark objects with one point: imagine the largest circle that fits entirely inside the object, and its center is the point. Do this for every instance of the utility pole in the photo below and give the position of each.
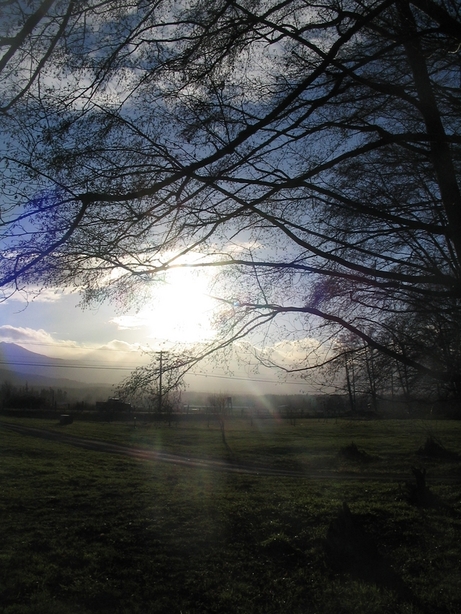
(160, 382)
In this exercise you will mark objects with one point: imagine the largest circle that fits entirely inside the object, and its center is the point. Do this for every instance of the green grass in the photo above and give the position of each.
(87, 532)
(391, 445)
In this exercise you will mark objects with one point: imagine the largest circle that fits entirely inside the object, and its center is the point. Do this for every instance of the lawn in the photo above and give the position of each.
(91, 532)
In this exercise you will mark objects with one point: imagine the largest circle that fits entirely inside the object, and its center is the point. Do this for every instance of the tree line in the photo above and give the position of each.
(25, 397)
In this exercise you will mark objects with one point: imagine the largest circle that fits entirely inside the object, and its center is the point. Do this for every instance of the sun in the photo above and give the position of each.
(180, 309)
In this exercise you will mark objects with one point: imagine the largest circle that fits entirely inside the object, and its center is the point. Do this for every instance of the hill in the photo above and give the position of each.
(20, 366)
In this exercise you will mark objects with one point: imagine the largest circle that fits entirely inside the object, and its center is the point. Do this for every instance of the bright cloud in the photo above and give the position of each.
(30, 336)
(294, 354)
(129, 322)
(296, 349)
(39, 295)
(121, 346)
(42, 342)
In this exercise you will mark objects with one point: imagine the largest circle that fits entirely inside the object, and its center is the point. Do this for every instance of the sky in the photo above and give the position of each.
(56, 325)
(180, 311)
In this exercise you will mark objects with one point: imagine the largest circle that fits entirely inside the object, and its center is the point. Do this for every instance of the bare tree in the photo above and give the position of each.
(32, 36)
(219, 408)
(158, 385)
(310, 153)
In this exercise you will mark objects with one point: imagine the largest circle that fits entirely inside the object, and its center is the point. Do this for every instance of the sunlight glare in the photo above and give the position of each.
(180, 309)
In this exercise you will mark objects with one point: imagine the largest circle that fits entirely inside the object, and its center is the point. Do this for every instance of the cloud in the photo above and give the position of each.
(38, 295)
(293, 354)
(121, 346)
(43, 342)
(296, 349)
(129, 322)
(30, 336)
(239, 247)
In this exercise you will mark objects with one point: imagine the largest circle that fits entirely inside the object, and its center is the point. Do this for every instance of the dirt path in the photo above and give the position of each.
(215, 465)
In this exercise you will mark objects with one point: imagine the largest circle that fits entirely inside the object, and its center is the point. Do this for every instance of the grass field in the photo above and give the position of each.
(91, 532)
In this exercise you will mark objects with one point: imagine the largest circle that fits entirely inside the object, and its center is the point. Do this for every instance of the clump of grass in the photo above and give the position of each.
(433, 448)
(419, 493)
(280, 547)
(352, 453)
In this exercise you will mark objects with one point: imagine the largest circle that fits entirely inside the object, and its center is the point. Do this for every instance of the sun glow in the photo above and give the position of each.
(180, 309)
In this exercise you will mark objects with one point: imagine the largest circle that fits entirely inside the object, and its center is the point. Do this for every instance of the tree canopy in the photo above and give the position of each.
(308, 151)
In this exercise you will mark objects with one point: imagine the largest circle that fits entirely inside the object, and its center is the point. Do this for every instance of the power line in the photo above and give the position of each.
(68, 366)
(114, 368)
(249, 379)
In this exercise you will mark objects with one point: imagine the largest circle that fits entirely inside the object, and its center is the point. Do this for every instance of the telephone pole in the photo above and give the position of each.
(160, 382)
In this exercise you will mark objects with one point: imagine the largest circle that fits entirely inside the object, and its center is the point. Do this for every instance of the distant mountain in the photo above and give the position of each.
(20, 365)
(21, 379)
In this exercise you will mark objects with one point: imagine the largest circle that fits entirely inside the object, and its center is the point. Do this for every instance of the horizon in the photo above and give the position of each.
(200, 382)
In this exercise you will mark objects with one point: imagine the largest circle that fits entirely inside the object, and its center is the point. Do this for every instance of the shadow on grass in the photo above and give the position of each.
(349, 549)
